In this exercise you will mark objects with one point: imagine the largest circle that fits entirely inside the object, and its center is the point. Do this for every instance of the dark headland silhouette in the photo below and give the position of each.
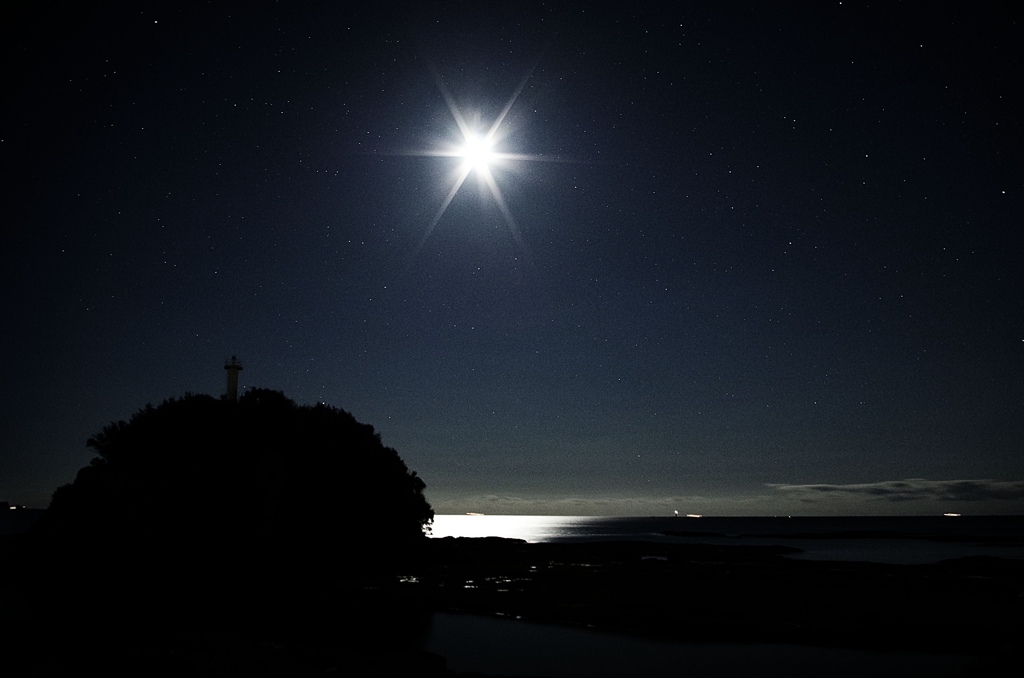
(255, 494)
(261, 474)
(253, 516)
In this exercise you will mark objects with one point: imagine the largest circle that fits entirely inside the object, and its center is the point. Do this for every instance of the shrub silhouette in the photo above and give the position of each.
(215, 493)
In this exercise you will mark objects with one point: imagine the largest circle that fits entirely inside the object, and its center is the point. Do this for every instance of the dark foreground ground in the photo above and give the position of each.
(370, 626)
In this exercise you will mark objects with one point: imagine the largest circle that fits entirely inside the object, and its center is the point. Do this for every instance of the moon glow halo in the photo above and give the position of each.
(478, 155)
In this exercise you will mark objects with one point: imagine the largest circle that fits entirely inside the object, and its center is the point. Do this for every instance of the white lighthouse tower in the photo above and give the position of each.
(233, 367)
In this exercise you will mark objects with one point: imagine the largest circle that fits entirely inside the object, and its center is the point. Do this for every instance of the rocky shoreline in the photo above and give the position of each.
(682, 593)
(734, 594)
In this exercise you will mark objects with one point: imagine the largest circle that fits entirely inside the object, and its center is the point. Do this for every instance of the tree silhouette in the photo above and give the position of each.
(217, 493)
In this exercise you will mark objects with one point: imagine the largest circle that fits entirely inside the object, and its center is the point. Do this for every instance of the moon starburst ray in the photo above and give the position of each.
(449, 100)
(444, 204)
(513, 227)
(512, 100)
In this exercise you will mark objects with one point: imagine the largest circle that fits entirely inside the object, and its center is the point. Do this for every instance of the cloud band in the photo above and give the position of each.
(912, 489)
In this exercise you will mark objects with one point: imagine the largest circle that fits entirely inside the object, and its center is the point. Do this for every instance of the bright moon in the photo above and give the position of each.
(478, 155)
(476, 152)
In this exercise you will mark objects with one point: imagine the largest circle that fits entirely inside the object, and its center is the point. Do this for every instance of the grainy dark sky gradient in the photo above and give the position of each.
(770, 264)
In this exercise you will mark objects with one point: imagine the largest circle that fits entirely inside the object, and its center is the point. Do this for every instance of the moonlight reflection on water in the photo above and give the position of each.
(528, 528)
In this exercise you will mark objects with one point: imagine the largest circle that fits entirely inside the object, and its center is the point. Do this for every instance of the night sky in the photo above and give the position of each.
(740, 258)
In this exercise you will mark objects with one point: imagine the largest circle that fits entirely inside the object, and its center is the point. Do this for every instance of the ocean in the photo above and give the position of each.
(906, 540)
